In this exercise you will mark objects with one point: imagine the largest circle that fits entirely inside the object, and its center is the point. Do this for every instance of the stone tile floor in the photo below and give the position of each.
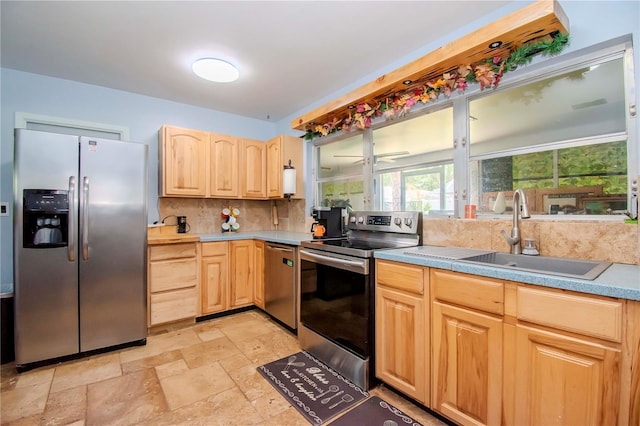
(201, 374)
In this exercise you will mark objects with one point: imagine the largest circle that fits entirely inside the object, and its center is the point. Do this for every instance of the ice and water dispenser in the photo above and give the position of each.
(46, 214)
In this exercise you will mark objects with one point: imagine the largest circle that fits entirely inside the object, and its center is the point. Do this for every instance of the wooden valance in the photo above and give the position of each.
(531, 24)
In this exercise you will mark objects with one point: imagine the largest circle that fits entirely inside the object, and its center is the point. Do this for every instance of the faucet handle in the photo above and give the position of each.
(511, 240)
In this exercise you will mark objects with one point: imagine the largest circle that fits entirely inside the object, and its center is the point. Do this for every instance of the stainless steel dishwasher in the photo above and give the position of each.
(280, 294)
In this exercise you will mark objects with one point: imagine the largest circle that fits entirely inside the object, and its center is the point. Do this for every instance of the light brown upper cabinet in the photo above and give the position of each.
(201, 164)
(183, 162)
(253, 170)
(280, 150)
(223, 166)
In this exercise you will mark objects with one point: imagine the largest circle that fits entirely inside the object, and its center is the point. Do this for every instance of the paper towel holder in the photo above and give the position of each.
(289, 180)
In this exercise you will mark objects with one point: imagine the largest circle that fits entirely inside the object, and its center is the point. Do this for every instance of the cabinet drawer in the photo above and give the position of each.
(172, 251)
(173, 306)
(401, 276)
(215, 249)
(585, 315)
(173, 274)
(475, 292)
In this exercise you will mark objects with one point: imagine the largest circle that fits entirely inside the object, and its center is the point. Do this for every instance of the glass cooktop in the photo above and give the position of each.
(358, 248)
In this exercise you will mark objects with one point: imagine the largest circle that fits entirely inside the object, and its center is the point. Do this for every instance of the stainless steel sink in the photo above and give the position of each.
(583, 269)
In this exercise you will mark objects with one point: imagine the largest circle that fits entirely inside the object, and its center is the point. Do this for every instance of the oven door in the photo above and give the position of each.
(337, 299)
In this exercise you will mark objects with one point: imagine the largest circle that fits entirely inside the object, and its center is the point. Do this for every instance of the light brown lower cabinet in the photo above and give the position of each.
(565, 380)
(576, 358)
(242, 272)
(507, 353)
(173, 282)
(258, 289)
(467, 365)
(400, 342)
(402, 338)
(228, 275)
(215, 277)
(467, 347)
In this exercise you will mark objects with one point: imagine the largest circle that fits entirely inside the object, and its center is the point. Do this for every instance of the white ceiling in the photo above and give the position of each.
(290, 54)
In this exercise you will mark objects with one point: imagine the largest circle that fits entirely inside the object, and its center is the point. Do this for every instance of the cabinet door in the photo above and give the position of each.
(565, 380)
(242, 273)
(274, 168)
(281, 150)
(467, 365)
(184, 162)
(223, 166)
(215, 277)
(253, 166)
(258, 295)
(401, 335)
(215, 283)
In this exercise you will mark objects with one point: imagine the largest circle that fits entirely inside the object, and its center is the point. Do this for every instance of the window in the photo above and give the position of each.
(558, 130)
(562, 138)
(340, 174)
(413, 163)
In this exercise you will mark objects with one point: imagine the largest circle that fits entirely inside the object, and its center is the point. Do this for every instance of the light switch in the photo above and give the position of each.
(4, 209)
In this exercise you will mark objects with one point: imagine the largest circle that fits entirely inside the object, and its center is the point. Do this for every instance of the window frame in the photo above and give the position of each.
(539, 69)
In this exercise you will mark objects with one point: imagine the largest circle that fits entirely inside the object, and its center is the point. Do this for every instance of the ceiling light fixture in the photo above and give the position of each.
(215, 70)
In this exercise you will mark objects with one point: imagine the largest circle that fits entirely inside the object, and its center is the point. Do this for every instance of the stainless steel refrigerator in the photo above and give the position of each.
(80, 233)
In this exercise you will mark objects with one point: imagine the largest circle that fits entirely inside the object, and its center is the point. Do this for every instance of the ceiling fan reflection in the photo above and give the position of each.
(386, 157)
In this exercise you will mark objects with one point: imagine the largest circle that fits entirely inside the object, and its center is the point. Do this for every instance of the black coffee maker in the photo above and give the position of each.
(331, 219)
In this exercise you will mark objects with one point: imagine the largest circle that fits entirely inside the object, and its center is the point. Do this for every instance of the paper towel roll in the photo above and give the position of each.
(289, 181)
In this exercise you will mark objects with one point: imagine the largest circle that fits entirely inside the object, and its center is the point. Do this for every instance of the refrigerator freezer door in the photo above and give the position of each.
(46, 279)
(113, 238)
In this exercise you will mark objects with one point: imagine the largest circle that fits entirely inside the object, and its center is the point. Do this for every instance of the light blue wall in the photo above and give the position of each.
(591, 22)
(143, 115)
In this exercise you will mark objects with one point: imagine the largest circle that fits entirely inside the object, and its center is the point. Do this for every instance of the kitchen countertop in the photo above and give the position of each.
(282, 237)
(619, 280)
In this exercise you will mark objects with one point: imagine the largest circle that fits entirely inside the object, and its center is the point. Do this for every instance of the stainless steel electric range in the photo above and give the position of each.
(337, 290)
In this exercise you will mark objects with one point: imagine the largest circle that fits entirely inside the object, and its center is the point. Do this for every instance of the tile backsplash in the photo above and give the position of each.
(204, 214)
(595, 240)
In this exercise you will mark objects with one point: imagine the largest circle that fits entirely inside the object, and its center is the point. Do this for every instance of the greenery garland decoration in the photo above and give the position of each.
(487, 73)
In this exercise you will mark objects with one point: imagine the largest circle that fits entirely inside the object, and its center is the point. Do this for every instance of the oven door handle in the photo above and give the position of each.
(358, 266)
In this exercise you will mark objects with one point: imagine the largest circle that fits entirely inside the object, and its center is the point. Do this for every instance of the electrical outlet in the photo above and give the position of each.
(4, 209)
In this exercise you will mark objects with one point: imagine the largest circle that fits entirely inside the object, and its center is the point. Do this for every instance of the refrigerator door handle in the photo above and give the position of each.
(85, 218)
(71, 246)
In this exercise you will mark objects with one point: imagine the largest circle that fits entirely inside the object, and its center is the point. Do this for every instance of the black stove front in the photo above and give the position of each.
(337, 292)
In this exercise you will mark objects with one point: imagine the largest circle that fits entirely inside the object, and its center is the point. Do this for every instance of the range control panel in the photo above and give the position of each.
(406, 222)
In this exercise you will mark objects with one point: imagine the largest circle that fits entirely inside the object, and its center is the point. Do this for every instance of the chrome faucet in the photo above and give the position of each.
(514, 240)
